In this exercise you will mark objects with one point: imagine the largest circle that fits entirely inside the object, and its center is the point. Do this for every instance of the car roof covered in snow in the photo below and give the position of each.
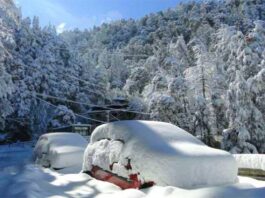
(154, 135)
(64, 137)
(63, 142)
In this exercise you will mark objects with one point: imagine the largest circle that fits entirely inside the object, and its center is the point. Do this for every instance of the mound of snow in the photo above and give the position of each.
(34, 181)
(60, 150)
(251, 161)
(230, 191)
(158, 152)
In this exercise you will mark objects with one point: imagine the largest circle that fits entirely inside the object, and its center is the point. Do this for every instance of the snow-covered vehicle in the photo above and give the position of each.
(135, 154)
(59, 150)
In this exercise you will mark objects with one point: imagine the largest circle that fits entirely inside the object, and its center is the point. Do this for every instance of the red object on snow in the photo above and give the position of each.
(123, 183)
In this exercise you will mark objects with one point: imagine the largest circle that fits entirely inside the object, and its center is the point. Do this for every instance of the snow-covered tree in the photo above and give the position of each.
(178, 64)
(137, 81)
(7, 44)
(41, 115)
(240, 112)
(200, 78)
(257, 89)
(177, 88)
(162, 107)
(62, 116)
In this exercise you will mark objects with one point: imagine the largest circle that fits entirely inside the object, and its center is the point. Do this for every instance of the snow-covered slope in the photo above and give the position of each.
(158, 152)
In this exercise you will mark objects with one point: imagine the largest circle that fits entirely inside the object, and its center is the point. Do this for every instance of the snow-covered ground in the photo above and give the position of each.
(251, 161)
(20, 178)
(12, 159)
(34, 181)
(15, 154)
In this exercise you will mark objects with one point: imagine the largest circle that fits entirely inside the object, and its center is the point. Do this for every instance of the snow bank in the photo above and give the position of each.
(158, 152)
(234, 191)
(251, 161)
(35, 182)
(60, 150)
(129, 193)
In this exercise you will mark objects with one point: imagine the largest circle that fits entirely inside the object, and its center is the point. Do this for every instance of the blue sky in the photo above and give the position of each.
(69, 14)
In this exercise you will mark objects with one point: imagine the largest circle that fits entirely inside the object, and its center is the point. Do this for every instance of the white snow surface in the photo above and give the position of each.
(251, 161)
(33, 181)
(160, 152)
(36, 182)
(60, 150)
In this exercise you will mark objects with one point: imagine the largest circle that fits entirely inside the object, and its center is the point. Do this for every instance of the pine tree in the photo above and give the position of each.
(240, 110)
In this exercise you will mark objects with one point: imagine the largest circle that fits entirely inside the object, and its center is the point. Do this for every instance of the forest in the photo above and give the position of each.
(200, 66)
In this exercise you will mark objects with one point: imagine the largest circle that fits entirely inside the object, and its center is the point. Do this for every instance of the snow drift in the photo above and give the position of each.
(158, 152)
(60, 150)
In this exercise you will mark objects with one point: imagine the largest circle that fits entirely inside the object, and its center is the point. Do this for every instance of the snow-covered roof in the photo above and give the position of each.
(160, 152)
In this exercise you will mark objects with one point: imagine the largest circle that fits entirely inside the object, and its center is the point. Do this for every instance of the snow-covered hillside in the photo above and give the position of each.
(199, 65)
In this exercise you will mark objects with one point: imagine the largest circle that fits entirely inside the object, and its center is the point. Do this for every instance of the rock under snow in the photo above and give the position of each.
(158, 152)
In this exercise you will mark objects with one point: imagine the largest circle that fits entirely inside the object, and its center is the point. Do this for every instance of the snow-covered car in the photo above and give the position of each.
(137, 154)
(60, 150)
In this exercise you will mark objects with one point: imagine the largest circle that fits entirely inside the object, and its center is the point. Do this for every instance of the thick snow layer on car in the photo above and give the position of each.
(251, 161)
(158, 152)
(60, 150)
